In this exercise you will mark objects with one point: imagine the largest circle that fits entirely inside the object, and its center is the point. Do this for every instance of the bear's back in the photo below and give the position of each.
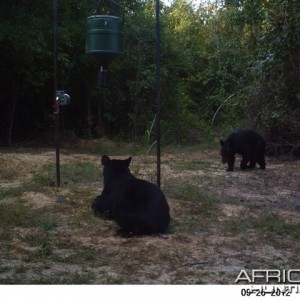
(139, 206)
(144, 191)
(246, 138)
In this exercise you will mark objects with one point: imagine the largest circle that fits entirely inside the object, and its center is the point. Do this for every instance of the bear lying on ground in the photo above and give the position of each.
(247, 143)
(138, 206)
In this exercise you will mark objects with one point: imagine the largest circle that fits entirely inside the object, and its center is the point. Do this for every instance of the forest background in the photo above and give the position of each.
(224, 65)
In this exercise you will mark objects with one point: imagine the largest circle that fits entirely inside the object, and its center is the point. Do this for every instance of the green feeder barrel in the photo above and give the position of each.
(104, 37)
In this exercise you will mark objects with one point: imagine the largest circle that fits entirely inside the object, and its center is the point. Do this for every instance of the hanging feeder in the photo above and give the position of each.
(104, 35)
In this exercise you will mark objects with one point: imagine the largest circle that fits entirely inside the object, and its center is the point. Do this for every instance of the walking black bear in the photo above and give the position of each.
(138, 206)
(249, 144)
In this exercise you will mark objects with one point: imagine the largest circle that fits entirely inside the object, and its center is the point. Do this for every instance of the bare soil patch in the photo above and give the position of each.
(222, 222)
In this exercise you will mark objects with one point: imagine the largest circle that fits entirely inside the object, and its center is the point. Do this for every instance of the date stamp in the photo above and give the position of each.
(269, 290)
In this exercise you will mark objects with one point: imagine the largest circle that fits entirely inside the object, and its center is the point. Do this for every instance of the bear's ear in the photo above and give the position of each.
(222, 142)
(128, 161)
(105, 160)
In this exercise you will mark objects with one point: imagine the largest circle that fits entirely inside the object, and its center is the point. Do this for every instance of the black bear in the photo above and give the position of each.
(247, 143)
(138, 206)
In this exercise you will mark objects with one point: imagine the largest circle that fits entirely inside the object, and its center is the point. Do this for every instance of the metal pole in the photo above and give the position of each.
(158, 104)
(56, 105)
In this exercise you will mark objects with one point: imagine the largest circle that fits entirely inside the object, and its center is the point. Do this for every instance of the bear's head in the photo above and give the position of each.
(115, 168)
(227, 150)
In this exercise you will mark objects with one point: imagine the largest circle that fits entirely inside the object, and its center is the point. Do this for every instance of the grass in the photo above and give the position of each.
(48, 225)
(198, 201)
(269, 224)
(76, 278)
(80, 172)
(63, 243)
(192, 165)
(36, 183)
(18, 214)
(8, 174)
(72, 174)
(262, 228)
(110, 147)
(198, 209)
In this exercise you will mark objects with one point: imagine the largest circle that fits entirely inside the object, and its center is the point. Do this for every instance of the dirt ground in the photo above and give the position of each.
(222, 222)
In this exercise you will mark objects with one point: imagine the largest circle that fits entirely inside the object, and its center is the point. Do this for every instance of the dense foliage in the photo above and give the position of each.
(224, 65)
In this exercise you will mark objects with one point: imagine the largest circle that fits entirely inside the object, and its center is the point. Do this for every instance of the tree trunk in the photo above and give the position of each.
(11, 109)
